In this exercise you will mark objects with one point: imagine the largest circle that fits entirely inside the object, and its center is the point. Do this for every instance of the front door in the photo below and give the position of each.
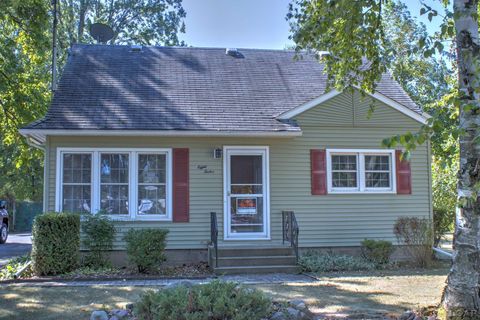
(246, 193)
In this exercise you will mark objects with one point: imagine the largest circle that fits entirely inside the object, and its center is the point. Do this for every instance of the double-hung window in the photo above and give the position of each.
(123, 183)
(352, 171)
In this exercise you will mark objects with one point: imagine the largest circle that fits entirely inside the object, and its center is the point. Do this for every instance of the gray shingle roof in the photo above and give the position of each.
(181, 88)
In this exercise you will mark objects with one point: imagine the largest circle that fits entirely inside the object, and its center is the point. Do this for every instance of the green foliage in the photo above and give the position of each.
(24, 93)
(416, 235)
(145, 248)
(93, 271)
(98, 235)
(25, 66)
(377, 251)
(13, 266)
(146, 22)
(315, 262)
(56, 243)
(215, 300)
(442, 223)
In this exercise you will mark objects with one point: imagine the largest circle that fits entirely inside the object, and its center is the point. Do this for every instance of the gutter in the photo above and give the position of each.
(34, 142)
(37, 137)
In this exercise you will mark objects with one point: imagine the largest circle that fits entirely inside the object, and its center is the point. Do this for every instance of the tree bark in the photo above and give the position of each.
(461, 297)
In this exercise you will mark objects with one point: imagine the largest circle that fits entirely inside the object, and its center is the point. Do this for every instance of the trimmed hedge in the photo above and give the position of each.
(145, 248)
(215, 300)
(56, 243)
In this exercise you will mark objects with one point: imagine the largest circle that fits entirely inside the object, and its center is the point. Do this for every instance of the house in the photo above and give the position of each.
(160, 137)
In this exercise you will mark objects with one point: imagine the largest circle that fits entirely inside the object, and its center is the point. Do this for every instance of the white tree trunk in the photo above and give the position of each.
(461, 297)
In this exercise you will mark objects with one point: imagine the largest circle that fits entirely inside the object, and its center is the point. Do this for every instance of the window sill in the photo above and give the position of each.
(362, 192)
(137, 218)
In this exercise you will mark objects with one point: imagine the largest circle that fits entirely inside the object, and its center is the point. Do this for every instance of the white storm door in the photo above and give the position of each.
(246, 189)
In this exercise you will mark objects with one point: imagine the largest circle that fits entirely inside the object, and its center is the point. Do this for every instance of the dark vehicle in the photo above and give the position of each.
(3, 222)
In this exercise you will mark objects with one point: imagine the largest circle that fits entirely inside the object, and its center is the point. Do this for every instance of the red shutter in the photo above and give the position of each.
(181, 192)
(318, 162)
(404, 174)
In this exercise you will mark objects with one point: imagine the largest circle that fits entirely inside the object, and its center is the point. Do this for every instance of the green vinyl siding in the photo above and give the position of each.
(328, 220)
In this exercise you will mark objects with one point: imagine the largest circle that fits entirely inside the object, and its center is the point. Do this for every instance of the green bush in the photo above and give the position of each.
(416, 234)
(377, 251)
(315, 262)
(56, 243)
(98, 235)
(443, 220)
(215, 300)
(145, 248)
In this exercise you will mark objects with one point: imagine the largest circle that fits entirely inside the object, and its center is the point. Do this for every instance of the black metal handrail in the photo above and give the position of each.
(290, 230)
(214, 234)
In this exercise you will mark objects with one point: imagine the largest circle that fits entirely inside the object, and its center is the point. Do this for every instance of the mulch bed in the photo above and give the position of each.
(190, 271)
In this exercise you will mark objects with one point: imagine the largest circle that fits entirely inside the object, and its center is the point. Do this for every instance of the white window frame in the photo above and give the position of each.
(361, 153)
(132, 183)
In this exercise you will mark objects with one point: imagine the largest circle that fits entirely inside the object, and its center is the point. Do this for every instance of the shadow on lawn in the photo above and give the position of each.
(28, 303)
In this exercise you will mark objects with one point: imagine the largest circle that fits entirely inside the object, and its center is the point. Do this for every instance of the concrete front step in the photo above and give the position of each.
(256, 269)
(253, 259)
(256, 261)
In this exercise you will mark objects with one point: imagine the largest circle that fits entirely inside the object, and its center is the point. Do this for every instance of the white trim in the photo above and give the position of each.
(133, 154)
(361, 189)
(333, 93)
(39, 135)
(308, 105)
(246, 150)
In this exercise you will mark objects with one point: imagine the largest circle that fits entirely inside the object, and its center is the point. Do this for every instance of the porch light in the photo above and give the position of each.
(217, 153)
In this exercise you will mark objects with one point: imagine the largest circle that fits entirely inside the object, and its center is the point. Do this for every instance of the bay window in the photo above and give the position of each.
(360, 171)
(123, 183)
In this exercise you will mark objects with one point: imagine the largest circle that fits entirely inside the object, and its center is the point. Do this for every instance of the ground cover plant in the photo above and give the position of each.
(327, 262)
(215, 300)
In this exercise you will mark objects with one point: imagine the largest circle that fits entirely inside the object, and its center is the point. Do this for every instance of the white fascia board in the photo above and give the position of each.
(333, 93)
(40, 134)
(308, 105)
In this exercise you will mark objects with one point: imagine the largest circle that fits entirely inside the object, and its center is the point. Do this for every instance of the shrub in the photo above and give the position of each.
(417, 236)
(377, 251)
(98, 235)
(215, 300)
(145, 248)
(56, 243)
(314, 262)
(443, 220)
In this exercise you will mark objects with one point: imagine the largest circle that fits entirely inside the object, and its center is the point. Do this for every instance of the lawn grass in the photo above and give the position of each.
(349, 293)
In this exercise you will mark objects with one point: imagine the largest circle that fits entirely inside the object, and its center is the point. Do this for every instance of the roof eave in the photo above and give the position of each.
(39, 135)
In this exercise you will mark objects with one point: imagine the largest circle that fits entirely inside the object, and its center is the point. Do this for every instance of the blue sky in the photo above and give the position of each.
(252, 23)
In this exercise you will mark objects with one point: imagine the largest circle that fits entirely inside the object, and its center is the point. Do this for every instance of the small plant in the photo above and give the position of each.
(13, 266)
(417, 236)
(215, 300)
(145, 248)
(442, 223)
(98, 235)
(315, 262)
(93, 271)
(56, 243)
(377, 251)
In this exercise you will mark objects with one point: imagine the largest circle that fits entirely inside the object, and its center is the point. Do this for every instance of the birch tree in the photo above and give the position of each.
(353, 32)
